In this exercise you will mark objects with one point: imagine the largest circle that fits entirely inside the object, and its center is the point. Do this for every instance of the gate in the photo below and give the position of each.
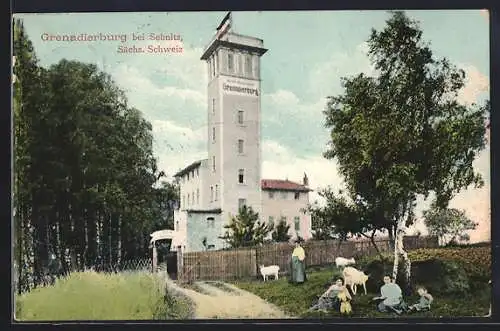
(171, 261)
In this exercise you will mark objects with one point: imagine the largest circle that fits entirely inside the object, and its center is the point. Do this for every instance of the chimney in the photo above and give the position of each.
(305, 180)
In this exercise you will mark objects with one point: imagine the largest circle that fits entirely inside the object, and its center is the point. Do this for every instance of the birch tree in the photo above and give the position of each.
(402, 132)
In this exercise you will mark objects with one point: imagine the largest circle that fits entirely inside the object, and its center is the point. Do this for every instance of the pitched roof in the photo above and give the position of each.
(187, 169)
(282, 185)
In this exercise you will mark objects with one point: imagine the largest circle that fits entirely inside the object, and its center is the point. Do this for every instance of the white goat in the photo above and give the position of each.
(354, 277)
(271, 270)
(342, 262)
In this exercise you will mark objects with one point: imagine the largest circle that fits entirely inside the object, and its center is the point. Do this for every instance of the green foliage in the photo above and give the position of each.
(339, 218)
(296, 300)
(93, 296)
(411, 135)
(245, 229)
(84, 167)
(449, 225)
(280, 233)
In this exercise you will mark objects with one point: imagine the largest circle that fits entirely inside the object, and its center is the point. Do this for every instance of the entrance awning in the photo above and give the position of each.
(167, 234)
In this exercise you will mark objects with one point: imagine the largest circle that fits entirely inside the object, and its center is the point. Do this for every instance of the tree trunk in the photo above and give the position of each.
(372, 240)
(119, 244)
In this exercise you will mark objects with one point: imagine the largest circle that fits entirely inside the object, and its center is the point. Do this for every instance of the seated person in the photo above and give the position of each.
(391, 296)
(425, 300)
(331, 298)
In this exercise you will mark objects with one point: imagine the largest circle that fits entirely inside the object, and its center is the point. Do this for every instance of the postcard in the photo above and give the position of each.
(251, 165)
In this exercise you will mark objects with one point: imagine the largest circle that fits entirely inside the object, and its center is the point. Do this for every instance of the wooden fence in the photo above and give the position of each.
(244, 263)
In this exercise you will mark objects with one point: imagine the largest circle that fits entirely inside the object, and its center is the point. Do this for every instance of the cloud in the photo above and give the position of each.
(485, 13)
(476, 84)
(177, 146)
(324, 79)
(280, 162)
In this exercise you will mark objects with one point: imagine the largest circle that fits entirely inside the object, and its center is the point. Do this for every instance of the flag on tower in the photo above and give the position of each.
(224, 26)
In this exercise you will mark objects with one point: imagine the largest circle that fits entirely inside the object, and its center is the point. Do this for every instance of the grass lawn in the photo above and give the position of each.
(296, 299)
(95, 296)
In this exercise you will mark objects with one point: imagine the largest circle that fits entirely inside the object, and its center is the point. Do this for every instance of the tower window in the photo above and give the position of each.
(213, 163)
(241, 175)
(240, 116)
(248, 65)
(230, 62)
(297, 195)
(240, 146)
(211, 193)
(198, 196)
(213, 134)
(216, 192)
(213, 105)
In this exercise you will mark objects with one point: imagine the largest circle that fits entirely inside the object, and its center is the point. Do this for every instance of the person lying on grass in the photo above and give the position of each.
(424, 302)
(391, 297)
(333, 297)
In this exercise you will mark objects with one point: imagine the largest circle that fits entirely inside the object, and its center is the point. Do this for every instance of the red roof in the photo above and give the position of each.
(283, 185)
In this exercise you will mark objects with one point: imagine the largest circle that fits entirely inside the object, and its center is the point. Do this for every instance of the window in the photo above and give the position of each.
(188, 200)
(216, 192)
(213, 66)
(240, 63)
(183, 201)
(210, 247)
(188, 176)
(241, 203)
(211, 193)
(241, 175)
(213, 163)
(192, 198)
(230, 62)
(240, 116)
(210, 222)
(177, 225)
(213, 105)
(297, 223)
(240, 146)
(197, 172)
(271, 195)
(284, 195)
(216, 63)
(297, 195)
(271, 221)
(248, 65)
(198, 196)
(213, 134)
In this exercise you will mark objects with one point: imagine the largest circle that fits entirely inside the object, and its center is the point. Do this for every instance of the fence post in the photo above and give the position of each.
(155, 258)
(180, 264)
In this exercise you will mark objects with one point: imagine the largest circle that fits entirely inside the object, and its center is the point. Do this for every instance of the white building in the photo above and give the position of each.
(214, 188)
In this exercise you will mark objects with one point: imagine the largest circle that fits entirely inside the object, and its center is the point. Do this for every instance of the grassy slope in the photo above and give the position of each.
(93, 296)
(296, 299)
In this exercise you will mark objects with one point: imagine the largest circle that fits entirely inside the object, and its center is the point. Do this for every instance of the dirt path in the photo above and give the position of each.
(225, 301)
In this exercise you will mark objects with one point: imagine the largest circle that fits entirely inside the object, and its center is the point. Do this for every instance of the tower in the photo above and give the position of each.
(234, 120)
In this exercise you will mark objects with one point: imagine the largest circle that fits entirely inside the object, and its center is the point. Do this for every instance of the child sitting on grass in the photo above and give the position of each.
(424, 302)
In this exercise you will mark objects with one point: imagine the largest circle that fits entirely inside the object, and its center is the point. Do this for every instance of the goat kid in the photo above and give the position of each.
(342, 261)
(271, 270)
(353, 277)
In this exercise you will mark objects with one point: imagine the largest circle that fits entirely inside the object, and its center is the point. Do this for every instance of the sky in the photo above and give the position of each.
(309, 52)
